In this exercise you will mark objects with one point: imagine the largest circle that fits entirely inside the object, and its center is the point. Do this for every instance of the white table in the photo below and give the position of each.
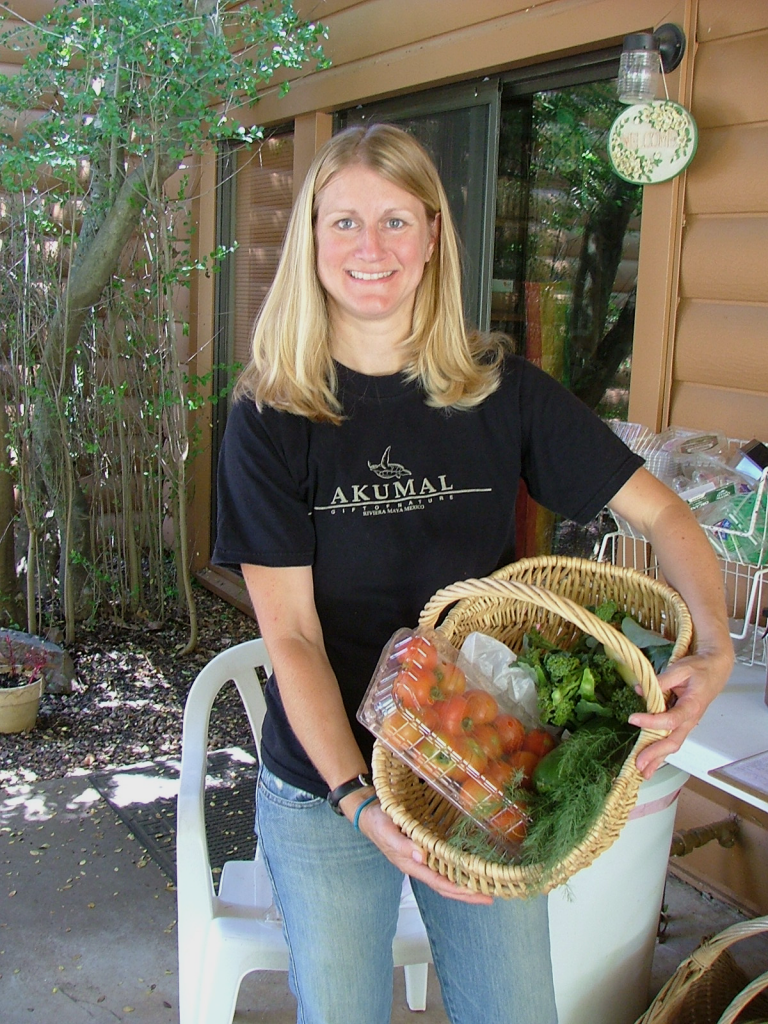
(735, 725)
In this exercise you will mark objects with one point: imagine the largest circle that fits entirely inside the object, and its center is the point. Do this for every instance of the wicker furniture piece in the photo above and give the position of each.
(551, 594)
(709, 987)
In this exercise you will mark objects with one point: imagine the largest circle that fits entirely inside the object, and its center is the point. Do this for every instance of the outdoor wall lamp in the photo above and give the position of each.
(643, 56)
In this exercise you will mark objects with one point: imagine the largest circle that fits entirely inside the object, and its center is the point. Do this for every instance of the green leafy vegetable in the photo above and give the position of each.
(571, 786)
(561, 815)
(588, 680)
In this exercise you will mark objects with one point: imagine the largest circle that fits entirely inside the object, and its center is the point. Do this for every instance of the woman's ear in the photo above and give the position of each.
(434, 235)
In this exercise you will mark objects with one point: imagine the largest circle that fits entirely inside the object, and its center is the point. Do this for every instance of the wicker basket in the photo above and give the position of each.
(709, 987)
(549, 593)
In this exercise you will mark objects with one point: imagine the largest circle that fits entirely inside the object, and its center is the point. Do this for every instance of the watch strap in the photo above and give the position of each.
(337, 795)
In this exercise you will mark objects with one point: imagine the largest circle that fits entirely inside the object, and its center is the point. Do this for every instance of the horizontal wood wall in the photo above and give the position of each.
(720, 369)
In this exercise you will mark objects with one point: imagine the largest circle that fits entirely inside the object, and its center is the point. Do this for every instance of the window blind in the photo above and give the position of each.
(263, 199)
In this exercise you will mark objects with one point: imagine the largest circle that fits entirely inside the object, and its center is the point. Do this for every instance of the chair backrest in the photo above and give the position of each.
(239, 664)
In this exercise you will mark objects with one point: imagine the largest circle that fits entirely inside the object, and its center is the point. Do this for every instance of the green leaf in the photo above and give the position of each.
(640, 636)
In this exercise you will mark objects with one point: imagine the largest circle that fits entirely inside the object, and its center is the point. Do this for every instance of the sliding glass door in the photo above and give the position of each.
(550, 233)
(459, 128)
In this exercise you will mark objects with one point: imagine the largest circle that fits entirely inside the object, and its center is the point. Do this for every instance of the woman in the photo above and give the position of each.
(373, 456)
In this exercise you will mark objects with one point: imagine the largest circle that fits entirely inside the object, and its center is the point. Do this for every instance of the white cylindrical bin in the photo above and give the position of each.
(603, 923)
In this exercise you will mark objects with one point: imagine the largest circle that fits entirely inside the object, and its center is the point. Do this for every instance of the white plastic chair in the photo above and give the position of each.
(223, 937)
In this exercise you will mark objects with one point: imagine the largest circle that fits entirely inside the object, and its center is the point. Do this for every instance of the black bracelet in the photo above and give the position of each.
(338, 794)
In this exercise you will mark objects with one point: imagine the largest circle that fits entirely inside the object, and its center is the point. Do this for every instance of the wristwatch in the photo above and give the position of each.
(338, 794)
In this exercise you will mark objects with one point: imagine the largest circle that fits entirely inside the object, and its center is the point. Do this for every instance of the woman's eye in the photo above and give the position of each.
(395, 222)
(345, 223)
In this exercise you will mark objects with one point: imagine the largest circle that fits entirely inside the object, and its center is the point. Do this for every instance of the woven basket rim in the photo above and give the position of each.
(688, 981)
(509, 880)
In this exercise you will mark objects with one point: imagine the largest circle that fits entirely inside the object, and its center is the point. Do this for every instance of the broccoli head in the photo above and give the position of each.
(625, 702)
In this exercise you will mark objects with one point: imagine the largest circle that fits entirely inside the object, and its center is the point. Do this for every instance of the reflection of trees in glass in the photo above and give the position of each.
(563, 220)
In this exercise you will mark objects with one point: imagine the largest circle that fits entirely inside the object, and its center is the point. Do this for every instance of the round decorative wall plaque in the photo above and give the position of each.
(652, 142)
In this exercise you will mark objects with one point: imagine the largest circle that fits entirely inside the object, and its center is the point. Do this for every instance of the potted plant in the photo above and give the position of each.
(21, 687)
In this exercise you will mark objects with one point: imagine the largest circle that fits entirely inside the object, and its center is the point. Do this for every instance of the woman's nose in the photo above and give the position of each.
(369, 242)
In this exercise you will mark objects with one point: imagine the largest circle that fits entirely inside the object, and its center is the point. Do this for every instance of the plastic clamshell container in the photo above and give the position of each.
(451, 730)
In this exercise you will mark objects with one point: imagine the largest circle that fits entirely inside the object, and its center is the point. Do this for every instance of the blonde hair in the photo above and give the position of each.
(291, 367)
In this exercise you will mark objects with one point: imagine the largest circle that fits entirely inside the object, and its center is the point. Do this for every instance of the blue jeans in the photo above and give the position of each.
(339, 899)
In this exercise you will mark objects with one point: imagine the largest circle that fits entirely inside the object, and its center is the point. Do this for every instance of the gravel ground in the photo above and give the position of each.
(127, 704)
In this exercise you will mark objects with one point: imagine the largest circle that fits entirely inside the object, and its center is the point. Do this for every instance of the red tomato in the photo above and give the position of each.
(400, 730)
(500, 772)
(481, 707)
(489, 740)
(511, 730)
(470, 752)
(511, 822)
(524, 761)
(453, 714)
(450, 679)
(539, 742)
(428, 717)
(419, 651)
(414, 687)
(475, 798)
(433, 759)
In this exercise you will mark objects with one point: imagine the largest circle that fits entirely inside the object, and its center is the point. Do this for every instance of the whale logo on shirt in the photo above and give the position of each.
(387, 470)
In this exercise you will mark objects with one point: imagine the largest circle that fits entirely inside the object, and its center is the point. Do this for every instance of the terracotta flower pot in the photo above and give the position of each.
(18, 706)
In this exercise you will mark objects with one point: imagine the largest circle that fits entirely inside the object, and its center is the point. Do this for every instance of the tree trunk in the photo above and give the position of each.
(601, 251)
(613, 349)
(93, 267)
(11, 607)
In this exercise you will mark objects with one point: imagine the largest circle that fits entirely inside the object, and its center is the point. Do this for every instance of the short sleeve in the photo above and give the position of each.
(263, 515)
(573, 463)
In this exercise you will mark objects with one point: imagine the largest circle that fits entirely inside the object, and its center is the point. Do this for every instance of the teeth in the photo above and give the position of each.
(358, 275)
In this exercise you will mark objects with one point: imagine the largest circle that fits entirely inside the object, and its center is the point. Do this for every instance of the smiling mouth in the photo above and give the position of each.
(358, 275)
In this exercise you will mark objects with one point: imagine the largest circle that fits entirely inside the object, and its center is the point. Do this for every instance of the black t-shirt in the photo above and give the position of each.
(399, 500)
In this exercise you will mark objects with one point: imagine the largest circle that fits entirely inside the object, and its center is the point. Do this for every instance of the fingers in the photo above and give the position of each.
(655, 755)
(410, 858)
(443, 885)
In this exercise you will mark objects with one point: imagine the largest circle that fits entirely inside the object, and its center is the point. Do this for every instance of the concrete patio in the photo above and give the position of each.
(88, 922)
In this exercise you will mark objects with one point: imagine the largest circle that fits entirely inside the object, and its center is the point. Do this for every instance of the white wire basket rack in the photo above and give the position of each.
(746, 590)
(745, 544)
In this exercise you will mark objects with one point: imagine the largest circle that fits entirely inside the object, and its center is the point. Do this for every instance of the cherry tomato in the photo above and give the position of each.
(524, 761)
(474, 797)
(481, 707)
(433, 759)
(501, 773)
(428, 718)
(511, 730)
(539, 742)
(453, 714)
(400, 730)
(511, 822)
(414, 687)
(417, 651)
(471, 754)
(450, 678)
(489, 740)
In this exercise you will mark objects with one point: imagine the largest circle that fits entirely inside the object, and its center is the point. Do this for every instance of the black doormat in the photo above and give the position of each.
(144, 798)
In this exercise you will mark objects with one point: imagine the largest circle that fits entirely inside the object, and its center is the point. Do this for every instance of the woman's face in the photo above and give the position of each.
(373, 240)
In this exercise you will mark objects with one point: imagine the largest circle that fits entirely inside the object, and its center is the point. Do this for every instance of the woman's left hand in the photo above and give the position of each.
(694, 681)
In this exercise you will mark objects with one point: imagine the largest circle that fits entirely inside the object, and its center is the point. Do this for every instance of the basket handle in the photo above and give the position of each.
(671, 995)
(539, 597)
(706, 954)
(743, 999)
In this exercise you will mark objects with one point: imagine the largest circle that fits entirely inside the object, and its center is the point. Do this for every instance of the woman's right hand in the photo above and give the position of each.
(408, 857)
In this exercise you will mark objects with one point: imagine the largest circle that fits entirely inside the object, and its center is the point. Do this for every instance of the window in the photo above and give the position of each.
(255, 195)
